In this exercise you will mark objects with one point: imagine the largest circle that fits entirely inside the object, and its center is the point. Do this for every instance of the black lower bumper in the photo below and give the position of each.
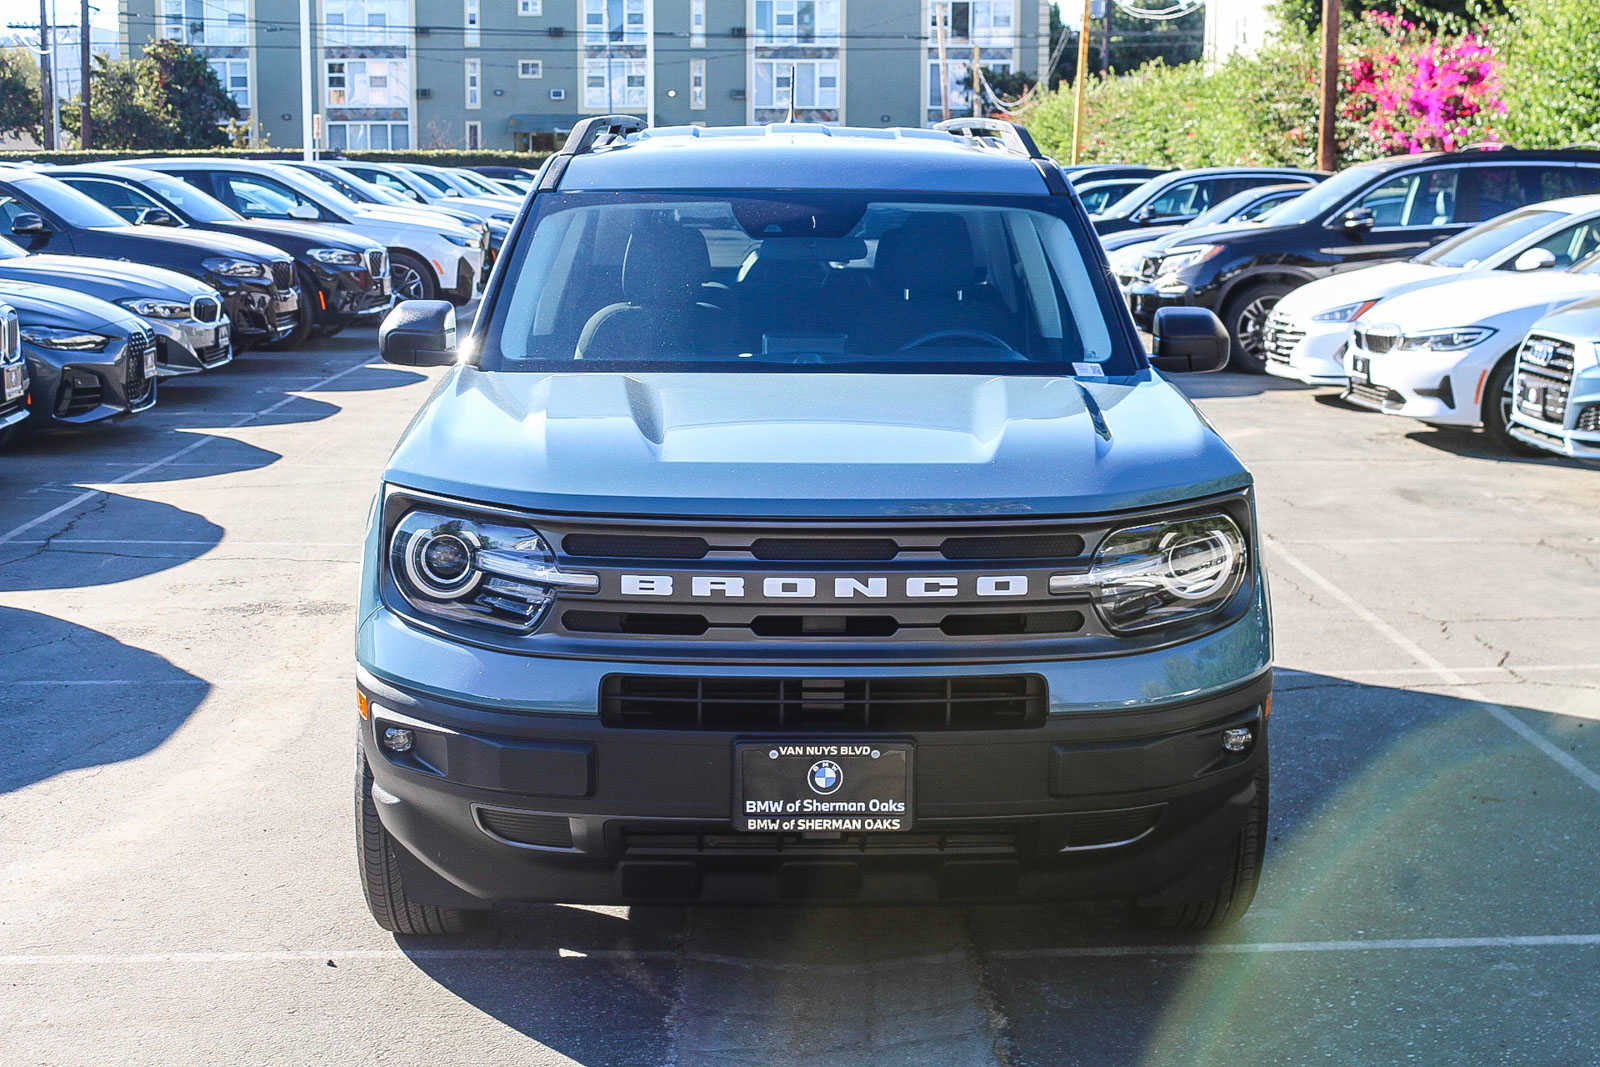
(491, 806)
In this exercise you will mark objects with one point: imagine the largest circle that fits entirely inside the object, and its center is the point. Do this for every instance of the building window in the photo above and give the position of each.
(470, 35)
(172, 23)
(368, 83)
(697, 23)
(797, 21)
(474, 68)
(530, 7)
(368, 135)
(235, 77)
(474, 135)
(613, 22)
(956, 72)
(530, 68)
(976, 21)
(365, 22)
(204, 22)
(697, 85)
(623, 88)
(816, 83)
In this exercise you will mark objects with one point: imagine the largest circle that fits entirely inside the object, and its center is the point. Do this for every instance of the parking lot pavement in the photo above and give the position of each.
(177, 882)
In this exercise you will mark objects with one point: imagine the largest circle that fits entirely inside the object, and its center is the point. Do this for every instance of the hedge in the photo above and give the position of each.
(444, 157)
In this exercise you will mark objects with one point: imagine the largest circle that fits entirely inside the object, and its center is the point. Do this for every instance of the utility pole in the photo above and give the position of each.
(308, 134)
(1327, 135)
(977, 81)
(939, 13)
(47, 86)
(83, 65)
(650, 64)
(1082, 75)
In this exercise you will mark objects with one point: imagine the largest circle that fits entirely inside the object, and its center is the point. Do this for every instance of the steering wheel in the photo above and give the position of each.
(982, 336)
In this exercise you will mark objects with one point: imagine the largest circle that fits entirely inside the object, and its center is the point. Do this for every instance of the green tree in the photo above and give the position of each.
(1552, 74)
(1438, 14)
(169, 97)
(21, 109)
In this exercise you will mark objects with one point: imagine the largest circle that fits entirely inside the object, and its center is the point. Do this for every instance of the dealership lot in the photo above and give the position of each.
(177, 881)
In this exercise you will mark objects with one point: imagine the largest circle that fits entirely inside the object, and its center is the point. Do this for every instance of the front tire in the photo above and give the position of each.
(1225, 902)
(1496, 413)
(410, 277)
(380, 874)
(1246, 320)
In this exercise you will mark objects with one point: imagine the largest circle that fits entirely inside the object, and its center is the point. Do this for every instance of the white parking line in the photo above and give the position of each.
(939, 959)
(89, 494)
(1448, 675)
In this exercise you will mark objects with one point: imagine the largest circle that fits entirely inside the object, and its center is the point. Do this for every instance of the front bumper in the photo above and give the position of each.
(1306, 351)
(78, 388)
(189, 346)
(1145, 299)
(1577, 436)
(1442, 388)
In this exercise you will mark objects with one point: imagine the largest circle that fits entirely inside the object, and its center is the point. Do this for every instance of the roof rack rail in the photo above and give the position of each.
(1015, 138)
(586, 136)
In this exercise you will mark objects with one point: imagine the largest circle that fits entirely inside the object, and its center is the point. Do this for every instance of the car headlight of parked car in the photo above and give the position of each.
(152, 308)
(1178, 259)
(1344, 312)
(1162, 573)
(338, 257)
(1452, 340)
(235, 268)
(64, 338)
(478, 570)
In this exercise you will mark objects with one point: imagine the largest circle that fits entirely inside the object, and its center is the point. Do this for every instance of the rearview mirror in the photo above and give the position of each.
(419, 333)
(27, 224)
(1535, 259)
(1188, 341)
(304, 212)
(1358, 218)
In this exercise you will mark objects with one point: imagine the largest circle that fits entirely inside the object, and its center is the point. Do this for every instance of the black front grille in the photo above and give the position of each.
(139, 387)
(1280, 337)
(376, 265)
(1047, 546)
(1589, 419)
(283, 274)
(978, 702)
(638, 842)
(1545, 363)
(1377, 341)
(206, 308)
(81, 392)
(211, 355)
(1373, 396)
(628, 546)
(527, 827)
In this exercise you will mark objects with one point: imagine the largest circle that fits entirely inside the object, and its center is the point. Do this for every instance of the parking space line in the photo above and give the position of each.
(941, 959)
(89, 494)
(1446, 674)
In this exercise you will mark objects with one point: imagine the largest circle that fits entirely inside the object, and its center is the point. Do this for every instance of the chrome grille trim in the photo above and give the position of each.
(206, 309)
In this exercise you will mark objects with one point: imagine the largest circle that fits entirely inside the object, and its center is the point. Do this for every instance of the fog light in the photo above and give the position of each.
(1235, 740)
(396, 739)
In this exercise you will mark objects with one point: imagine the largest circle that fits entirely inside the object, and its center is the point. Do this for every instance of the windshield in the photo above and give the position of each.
(476, 184)
(1466, 250)
(1135, 196)
(189, 200)
(816, 281)
(1323, 197)
(346, 185)
(432, 181)
(69, 205)
(314, 188)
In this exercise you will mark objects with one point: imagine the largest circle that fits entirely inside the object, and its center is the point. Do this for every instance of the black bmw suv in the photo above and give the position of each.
(342, 276)
(256, 280)
(1387, 209)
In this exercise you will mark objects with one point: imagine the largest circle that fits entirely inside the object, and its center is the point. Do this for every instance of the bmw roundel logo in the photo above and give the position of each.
(825, 777)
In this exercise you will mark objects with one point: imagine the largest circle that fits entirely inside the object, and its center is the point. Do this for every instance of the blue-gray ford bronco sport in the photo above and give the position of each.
(801, 519)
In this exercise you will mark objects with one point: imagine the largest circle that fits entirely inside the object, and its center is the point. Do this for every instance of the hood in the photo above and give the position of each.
(1114, 241)
(108, 279)
(313, 235)
(1482, 298)
(793, 445)
(1580, 321)
(414, 216)
(1203, 235)
(1368, 283)
(203, 242)
(49, 305)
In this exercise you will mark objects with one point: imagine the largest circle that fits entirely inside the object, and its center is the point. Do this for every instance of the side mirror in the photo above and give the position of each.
(27, 224)
(305, 212)
(155, 216)
(1188, 341)
(1358, 219)
(419, 333)
(1535, 259)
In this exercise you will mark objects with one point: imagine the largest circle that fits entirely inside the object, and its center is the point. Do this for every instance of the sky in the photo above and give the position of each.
(102, 13)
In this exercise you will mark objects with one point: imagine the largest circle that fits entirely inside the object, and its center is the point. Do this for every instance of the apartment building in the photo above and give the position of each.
(518, 73)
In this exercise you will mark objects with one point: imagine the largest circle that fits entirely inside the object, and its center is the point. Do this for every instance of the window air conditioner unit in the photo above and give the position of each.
(556, 31)
(558, 94)
(424, 94)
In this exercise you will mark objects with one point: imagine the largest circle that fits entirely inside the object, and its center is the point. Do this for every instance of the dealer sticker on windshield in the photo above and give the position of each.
(822, 787)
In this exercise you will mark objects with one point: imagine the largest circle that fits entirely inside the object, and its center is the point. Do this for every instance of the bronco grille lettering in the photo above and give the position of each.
(808, 587)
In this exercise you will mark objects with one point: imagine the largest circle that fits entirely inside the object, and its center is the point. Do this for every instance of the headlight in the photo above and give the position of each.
(462, 240)
(478, 571)
(157, 309)
(1178, 259)
(63, 338)
(1166, 572)
(235, 268)
(1345, 312)
(1454, 340)
(339, 257)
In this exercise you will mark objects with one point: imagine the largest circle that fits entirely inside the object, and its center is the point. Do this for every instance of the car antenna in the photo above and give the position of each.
(789, 118)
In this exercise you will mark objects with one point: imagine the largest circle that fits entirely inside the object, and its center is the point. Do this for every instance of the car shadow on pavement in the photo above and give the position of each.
(1475, 444)
(72, 697)
(112, 538)
(1395, 814)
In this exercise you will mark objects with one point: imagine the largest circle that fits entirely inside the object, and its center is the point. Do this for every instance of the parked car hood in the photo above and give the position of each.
(1481, 298)
(108, 279)
(315, 233)
(207, 241)
(1114, 241)
(1580, 320)
(1369, 283)
(790, 445)
(49, 305)
(414, 216)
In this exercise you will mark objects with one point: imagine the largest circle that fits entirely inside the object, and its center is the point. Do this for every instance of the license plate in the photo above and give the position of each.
(13, 382)
(1532, 400)
(822, 786)
(383, 284)
(150, 362)
(222, 337)
(1361, 369)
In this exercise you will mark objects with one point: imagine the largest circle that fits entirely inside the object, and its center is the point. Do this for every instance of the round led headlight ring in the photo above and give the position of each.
(439, 562)
(1198, 567)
